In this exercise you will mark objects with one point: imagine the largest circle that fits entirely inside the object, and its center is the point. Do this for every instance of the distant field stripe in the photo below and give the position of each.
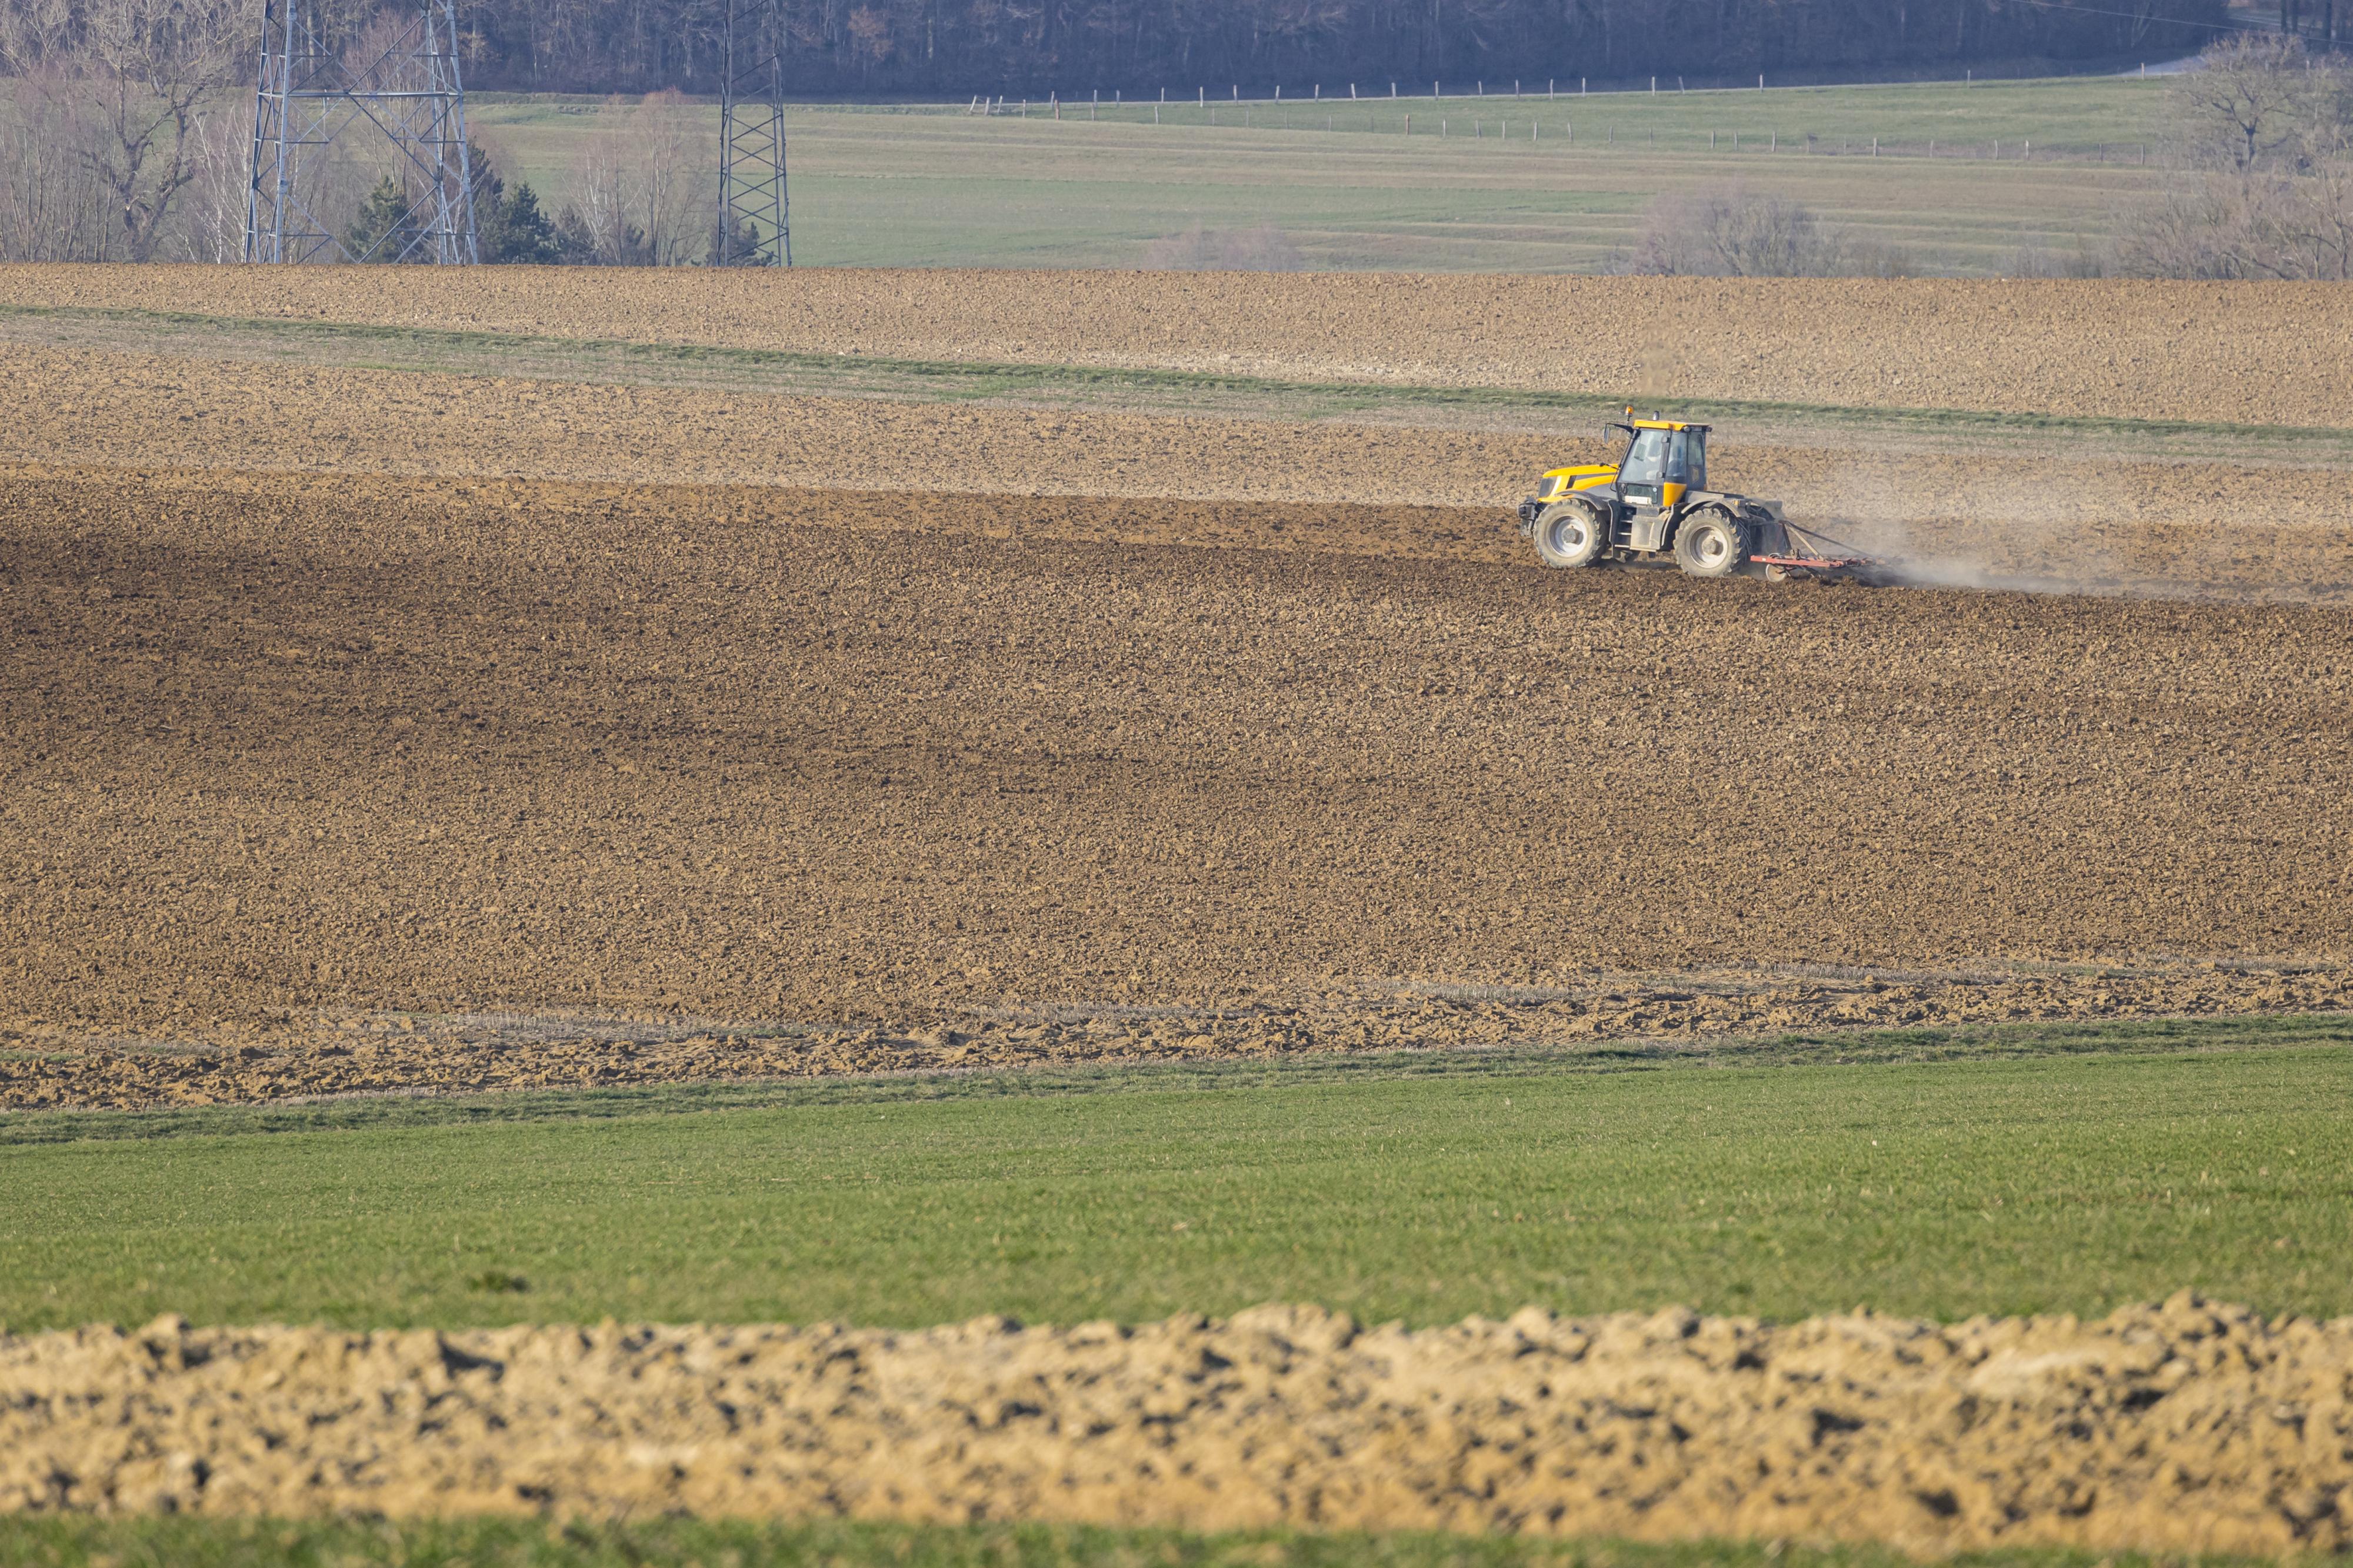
(1859, 1049)
(968, 378)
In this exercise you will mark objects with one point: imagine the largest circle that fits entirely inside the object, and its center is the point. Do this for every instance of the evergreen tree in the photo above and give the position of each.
(374, 234)
(513, 229)
(743, 251)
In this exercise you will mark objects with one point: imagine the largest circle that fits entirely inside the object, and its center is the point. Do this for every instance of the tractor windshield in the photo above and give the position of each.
(1675, 457)
(1646, 459)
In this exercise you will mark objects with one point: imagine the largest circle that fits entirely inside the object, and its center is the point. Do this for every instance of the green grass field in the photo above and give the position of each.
(1526, 185)
(2033, 1171)
(688, 1543)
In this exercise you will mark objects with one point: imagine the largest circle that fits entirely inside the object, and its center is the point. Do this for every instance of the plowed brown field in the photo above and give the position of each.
(2078, 522)
(283, 751)
(2184, 1427)
(2236, 353)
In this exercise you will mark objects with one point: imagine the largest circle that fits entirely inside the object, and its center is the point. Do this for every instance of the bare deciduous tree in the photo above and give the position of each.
(2266, 187)
(1266, 248)
(52, 208)
(131, 81)
(1730, 233)
(645, 185)
(2253, 102)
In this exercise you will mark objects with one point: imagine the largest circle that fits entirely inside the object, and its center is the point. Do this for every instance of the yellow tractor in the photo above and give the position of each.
(1655, 501)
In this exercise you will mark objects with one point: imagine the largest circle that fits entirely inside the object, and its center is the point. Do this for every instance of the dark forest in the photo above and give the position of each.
(956, 47)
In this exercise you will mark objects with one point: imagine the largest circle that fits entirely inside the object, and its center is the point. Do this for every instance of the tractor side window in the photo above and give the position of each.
(1646, 459)
(1687, 460)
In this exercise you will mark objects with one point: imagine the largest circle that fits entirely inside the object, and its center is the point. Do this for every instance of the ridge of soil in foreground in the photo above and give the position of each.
(2176, 1427)
(2234, 352)
(280, 749)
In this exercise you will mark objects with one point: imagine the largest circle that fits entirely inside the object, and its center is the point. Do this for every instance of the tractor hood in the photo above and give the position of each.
(1560, 481)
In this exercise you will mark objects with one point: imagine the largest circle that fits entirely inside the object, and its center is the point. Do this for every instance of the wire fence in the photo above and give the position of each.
(1458, 118)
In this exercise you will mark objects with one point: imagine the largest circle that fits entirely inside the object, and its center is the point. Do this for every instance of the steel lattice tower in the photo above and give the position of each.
(754, 216)
(404, 96)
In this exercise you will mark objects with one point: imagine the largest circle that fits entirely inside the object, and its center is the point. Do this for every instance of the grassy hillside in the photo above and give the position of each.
(2005, 1180)
(1514, 184)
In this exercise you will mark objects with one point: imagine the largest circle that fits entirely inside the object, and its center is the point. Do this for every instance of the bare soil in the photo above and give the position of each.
(2183, 1427)
(2051, 520)
(288, 753)
(2233, 352)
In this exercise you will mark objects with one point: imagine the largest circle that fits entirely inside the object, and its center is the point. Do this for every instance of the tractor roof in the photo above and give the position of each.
(1667, 425)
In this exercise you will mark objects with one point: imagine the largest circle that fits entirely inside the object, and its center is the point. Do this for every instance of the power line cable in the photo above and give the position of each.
(2139, 16)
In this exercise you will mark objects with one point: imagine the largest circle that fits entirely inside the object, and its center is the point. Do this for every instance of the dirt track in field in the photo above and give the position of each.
(285, 754)
(2244, 353)
(2175, 1428)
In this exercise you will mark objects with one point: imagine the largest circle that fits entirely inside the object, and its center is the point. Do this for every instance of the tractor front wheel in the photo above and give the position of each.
(1708, 544)
(1570, 534)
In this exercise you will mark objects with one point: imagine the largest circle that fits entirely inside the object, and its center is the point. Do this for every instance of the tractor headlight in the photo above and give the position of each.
(1549, 486)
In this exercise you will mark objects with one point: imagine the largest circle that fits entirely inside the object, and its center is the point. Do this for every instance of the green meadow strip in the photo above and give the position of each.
(122, 1543)
(955, 379)
(1839, 1048)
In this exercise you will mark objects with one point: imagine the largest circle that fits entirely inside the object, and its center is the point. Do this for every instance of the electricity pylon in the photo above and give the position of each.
(754, 216)
(403, 97)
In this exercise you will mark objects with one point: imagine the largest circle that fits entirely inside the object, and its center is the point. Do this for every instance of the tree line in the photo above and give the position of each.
(956, 48)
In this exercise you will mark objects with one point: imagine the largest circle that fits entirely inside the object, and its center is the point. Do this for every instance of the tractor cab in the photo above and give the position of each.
(1665, 461)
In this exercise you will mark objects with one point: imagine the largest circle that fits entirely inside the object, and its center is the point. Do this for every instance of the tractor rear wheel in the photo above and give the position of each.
(1570, 534)
(1708, 544)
